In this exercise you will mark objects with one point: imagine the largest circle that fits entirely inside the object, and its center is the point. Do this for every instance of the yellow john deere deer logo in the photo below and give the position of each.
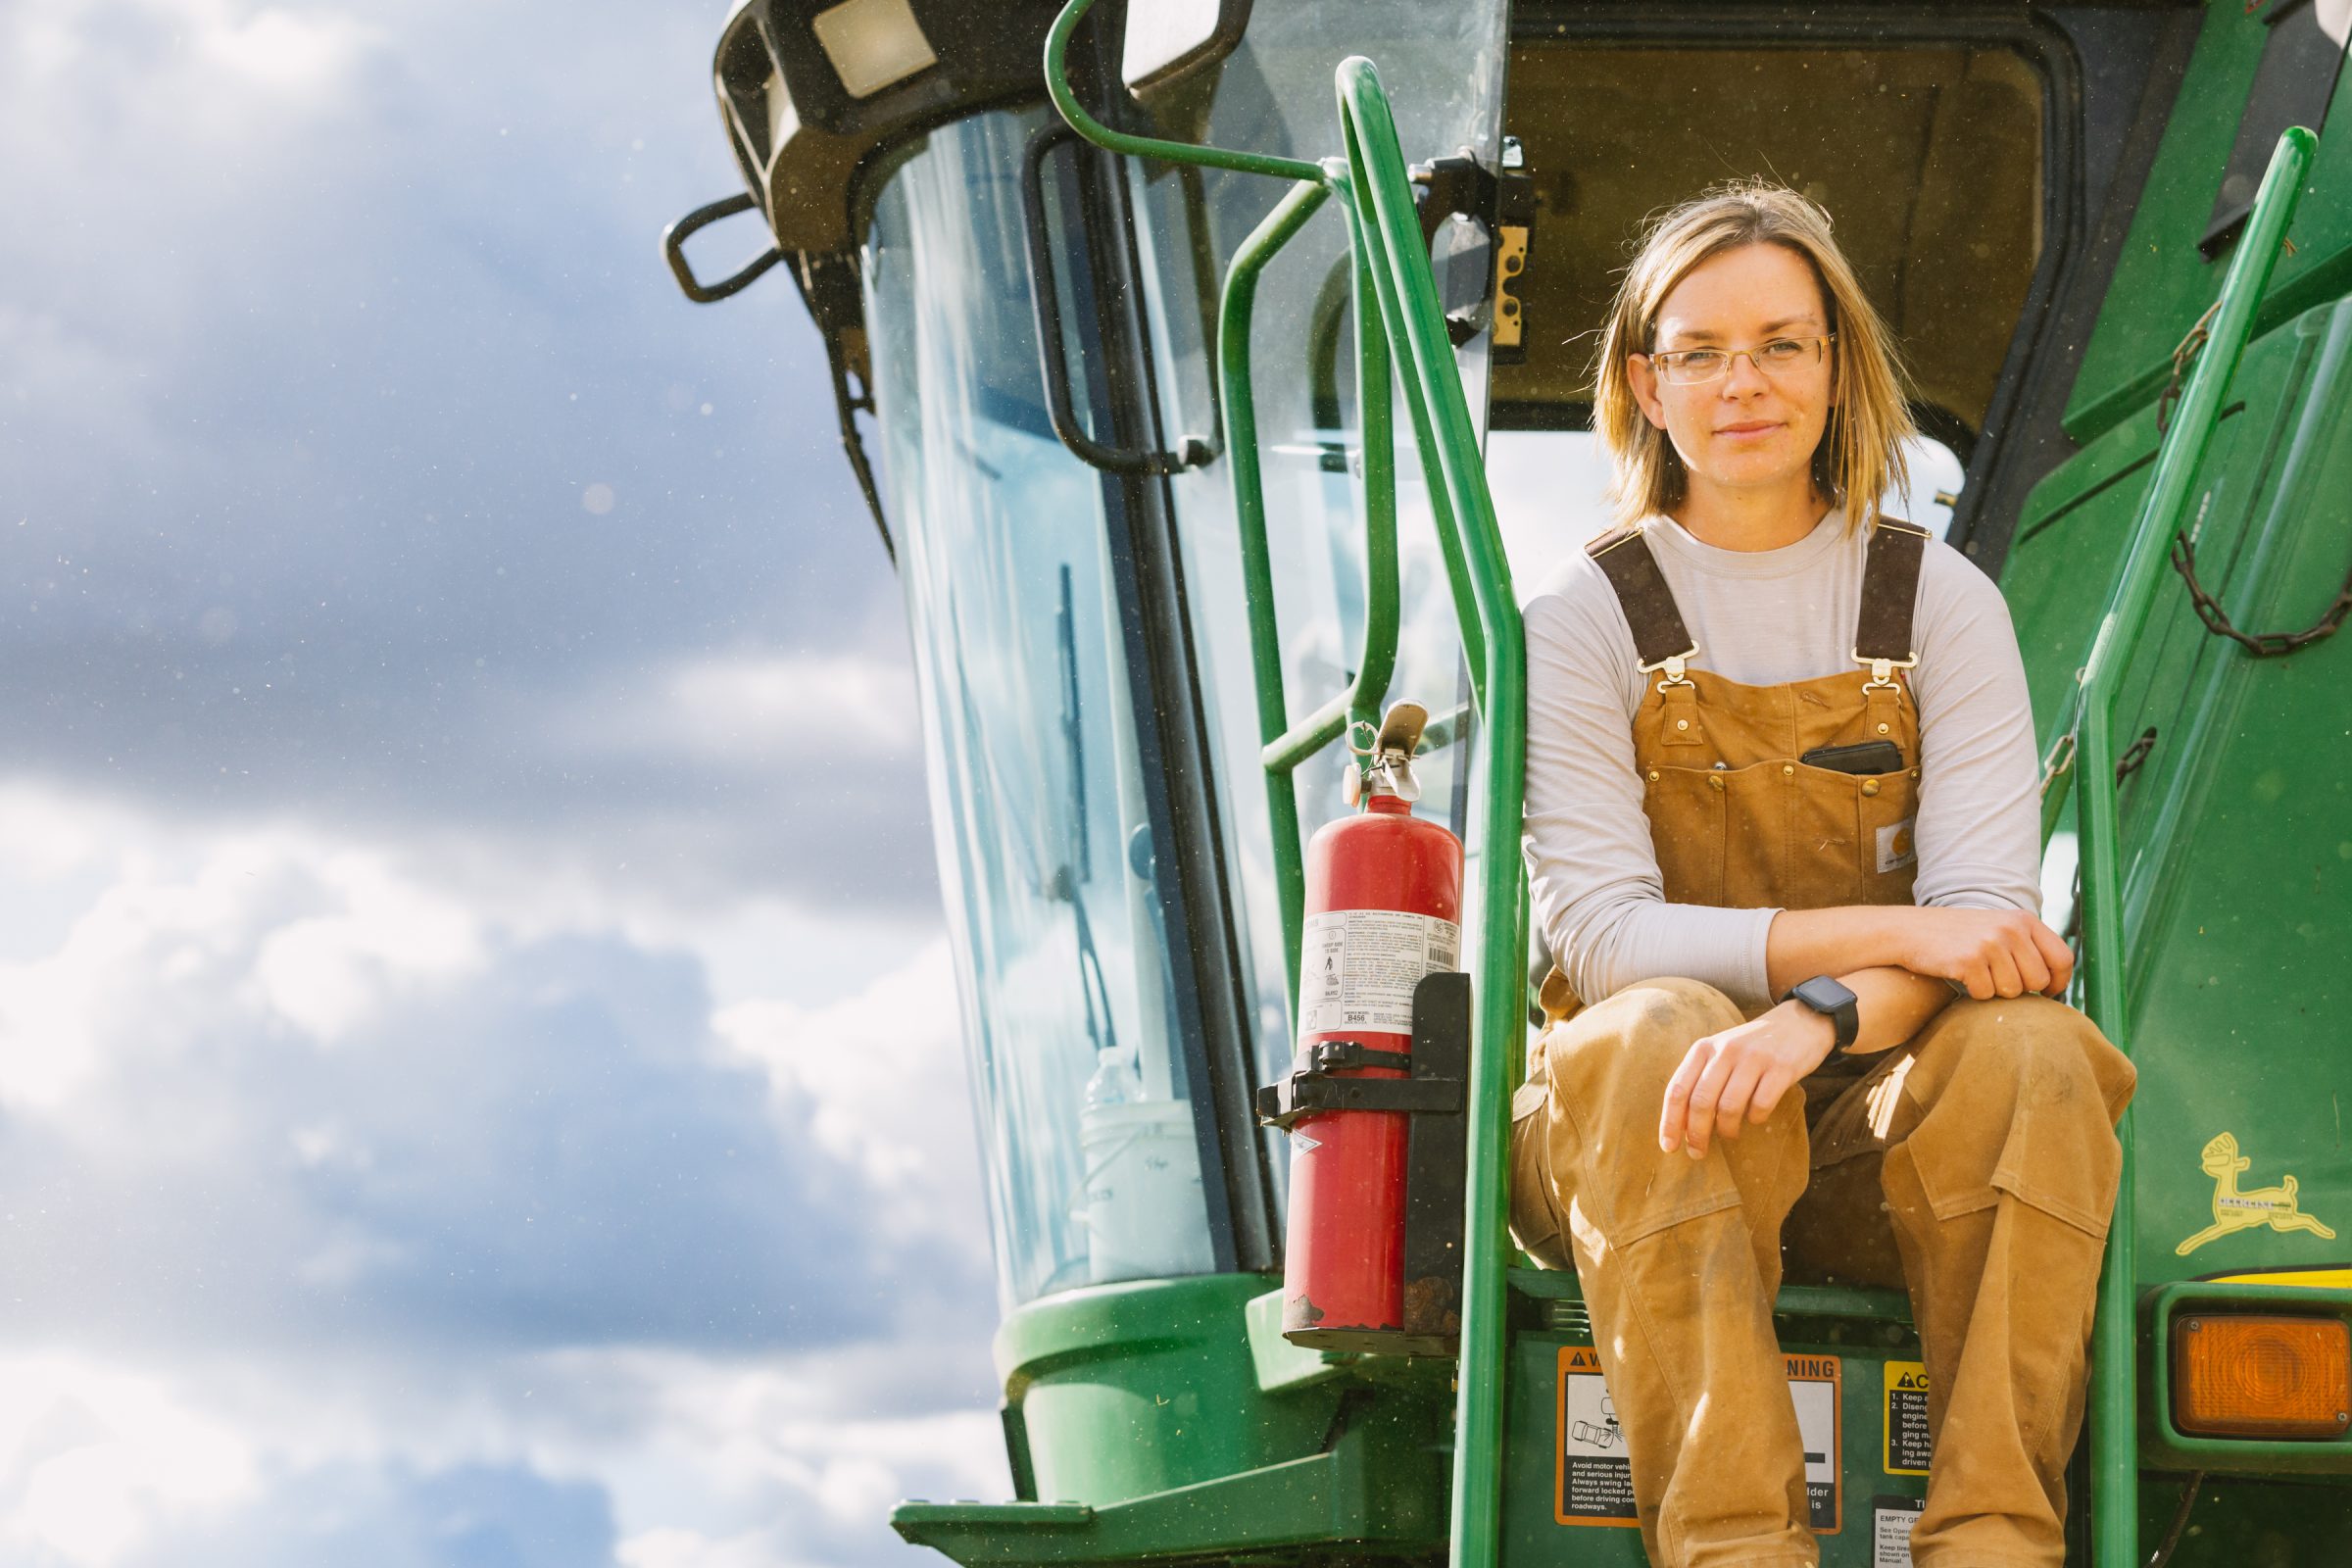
(2233, 1211)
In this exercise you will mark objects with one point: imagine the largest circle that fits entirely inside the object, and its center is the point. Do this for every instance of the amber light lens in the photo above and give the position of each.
(2262, 1377)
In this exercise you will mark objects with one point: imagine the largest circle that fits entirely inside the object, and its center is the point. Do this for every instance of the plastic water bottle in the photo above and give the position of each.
(1115, 1081)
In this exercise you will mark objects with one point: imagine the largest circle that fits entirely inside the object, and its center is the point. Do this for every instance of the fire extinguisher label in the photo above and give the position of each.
(1360, 967)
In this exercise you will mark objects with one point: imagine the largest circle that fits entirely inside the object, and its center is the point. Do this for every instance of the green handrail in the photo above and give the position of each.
(1389, 229)
(1285, 746)
(1057, 85)
(2089, 724)
(1395, 302)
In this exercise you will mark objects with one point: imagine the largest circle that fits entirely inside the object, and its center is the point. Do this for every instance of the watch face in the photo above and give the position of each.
(1823, 994)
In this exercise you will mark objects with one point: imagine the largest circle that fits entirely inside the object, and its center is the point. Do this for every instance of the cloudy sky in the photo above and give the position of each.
(462, 829)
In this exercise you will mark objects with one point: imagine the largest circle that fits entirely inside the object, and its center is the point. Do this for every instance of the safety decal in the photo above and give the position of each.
(2236, 1210)
(1890, 1522)
(1907, 1448)
(1593, 1480)
(1897, 845)
(1359, 968)
(1813, 1385)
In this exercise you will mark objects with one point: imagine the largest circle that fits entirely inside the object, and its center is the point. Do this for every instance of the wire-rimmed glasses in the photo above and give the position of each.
(1778, 356)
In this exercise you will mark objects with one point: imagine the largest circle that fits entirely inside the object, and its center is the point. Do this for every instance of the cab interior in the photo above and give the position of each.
(1929, 158)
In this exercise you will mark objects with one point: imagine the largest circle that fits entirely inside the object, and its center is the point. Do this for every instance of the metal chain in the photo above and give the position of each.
(2184, 353)
(2135, 754)
(2261, 643)
(2061, 759)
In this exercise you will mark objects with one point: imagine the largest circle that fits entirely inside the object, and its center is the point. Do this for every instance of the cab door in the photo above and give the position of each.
(1443, 67)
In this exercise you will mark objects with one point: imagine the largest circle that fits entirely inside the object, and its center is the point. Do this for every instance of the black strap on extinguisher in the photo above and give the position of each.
(1311, 1089)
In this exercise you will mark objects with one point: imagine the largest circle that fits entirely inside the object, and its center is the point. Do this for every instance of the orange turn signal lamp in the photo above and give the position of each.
(2237, 1375)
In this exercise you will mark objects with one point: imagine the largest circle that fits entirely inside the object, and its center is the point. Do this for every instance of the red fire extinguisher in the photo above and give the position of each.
(1384, 896)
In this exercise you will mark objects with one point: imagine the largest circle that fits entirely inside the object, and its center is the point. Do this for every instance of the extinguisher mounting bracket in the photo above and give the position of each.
(1312, 1089)
(1338, 1055)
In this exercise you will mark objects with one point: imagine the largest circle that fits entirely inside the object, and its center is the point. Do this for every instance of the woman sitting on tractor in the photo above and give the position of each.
(1782, 827)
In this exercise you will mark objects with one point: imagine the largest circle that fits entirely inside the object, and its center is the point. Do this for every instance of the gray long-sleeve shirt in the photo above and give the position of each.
(1762, 617)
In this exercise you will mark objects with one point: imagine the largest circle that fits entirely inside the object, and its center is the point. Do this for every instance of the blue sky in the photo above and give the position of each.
(478, 1079)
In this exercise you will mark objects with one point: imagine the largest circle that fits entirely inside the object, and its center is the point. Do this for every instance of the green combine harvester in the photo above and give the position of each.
(1131, 308)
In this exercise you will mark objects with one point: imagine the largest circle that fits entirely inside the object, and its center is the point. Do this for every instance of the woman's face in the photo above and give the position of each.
(1747, 428)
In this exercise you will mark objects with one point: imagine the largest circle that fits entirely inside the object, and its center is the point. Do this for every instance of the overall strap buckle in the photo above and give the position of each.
(1661, 639)
(1881, 670)
(1883, 632)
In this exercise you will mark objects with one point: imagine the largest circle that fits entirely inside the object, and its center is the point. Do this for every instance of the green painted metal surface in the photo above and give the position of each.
(2161, 284)
(1157, 1423)
(1165, 1365)
(2090, 723)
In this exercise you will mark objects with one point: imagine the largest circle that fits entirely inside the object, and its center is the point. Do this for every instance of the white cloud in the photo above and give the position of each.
(306, 52)
(797, 711)
(233, 47)
(327, 973)
(99, 1459)
(885, 1071)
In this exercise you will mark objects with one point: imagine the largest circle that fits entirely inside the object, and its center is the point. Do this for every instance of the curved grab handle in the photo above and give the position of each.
(673, 249)
(1193, 452)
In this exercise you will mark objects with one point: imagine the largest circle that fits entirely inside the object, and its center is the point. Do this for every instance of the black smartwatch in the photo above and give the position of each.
(1834, 1002)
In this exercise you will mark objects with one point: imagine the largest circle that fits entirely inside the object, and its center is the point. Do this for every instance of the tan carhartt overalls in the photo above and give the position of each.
(1976, 1164)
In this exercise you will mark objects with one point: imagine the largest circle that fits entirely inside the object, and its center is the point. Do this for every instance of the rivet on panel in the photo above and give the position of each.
(1869, 786)
(1654, 775)
(1882, 729)
(1682, 723)
(1787, 768)
(1715, 781)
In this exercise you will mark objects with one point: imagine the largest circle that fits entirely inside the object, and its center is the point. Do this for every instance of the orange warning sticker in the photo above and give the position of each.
(1813, 1387)
(1593, 1480)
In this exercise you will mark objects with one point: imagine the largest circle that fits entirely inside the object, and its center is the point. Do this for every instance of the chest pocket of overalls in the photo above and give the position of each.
(1739, 817)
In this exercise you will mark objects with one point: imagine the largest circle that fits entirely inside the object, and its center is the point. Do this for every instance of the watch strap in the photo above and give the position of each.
(1835, 1000)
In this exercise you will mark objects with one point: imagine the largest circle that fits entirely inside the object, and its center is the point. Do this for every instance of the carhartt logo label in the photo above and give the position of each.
(1895, 847)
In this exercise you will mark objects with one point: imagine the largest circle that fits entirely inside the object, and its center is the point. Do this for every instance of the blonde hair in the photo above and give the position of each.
(1861, 452)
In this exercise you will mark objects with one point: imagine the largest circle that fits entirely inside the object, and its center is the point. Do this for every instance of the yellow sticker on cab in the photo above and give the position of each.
(1906, 1448)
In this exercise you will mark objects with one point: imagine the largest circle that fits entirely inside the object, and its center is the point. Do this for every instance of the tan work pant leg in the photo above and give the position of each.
(1680, 1261)
(1988, 1141)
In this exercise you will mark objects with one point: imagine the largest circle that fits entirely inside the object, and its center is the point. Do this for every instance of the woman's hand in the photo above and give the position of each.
(1989, 952)
(1739, 1075)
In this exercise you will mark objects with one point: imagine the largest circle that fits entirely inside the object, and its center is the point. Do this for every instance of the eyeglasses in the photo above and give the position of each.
(1779, 357)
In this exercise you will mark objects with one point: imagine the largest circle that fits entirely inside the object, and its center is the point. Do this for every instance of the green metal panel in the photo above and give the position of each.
(2236, 833)
(2161, 284)
(2238, 1524)
(1154, 1428)
(1166, 1366)
(2084, 735)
